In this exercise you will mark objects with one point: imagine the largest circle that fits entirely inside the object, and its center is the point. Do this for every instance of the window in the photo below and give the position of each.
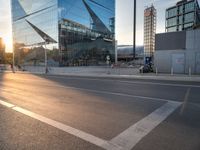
(188, 25)
(172, 29)
(180, 28)
(171, 12)
(189, 7)
(172, 22)
(189, 17)
(180, 19)
(180, 9)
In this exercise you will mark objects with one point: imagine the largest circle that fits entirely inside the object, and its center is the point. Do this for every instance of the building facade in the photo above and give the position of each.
(184, 15)
(74, 33)
(149, 31)
(178, 52)
(2, 51)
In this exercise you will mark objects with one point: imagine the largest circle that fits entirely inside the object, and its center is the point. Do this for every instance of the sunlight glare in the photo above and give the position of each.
(8, 43)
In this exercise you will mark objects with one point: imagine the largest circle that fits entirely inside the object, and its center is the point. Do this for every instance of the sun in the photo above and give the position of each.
(8, 43)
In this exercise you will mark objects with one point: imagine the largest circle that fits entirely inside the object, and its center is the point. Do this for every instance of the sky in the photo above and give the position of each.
(124, 20)
(5, 23)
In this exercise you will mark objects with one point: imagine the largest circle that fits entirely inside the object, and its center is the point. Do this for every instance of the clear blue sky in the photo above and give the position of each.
(124, 19)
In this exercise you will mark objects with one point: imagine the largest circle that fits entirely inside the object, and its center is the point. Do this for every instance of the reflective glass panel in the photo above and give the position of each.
(86, 31)
(34, 22)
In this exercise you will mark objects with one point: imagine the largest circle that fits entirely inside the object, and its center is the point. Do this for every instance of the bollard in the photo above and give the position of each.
(190, 71)
(172, 71)
(156, 71)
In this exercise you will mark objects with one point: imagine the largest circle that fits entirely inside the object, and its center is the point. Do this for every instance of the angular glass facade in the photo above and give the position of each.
(75, 32)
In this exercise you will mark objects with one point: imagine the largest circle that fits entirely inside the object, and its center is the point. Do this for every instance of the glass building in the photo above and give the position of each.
(184, 15)
(74, 32)
(149, 31)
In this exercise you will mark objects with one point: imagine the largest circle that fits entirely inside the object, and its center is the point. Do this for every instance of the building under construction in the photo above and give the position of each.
(149, 31)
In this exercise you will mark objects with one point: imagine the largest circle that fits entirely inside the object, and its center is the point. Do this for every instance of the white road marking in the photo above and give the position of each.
(124, 141)
(115, 93)
(6, 104)
(118, 94)
(129, 82)
(106, 92)
(185, 100)
(85, 136)
(130, 137)
(78, 133)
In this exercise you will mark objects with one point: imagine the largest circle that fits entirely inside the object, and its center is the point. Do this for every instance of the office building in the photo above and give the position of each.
(75, 33)
(185, 15)
(149, 31)
(2, 51)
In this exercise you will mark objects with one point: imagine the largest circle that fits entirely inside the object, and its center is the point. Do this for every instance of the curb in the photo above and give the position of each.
(152, 77)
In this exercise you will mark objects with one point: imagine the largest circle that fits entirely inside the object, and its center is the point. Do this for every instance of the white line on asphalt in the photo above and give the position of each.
(118, 94)
(130, 82)
(124, 141)
(78, 133)
(130, 137)
(185, 100)
(6, 104)
(111, 93)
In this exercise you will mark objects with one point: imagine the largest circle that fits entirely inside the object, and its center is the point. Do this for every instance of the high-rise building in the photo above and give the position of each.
(2, 51)
(74, 32)
(149, 31)
(183, 16)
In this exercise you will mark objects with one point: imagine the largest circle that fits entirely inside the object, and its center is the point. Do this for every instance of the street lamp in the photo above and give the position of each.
(13, 55)
(134, 29)
(13, 60)
(46, 41)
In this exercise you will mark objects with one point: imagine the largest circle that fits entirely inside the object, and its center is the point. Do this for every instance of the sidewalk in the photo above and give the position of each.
(165, 77)
(139, 76)
(104, 72)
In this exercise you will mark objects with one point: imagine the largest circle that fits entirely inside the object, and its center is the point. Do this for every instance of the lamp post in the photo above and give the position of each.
(13, 60)
(13, 56)
(45, 54)
(134, 29)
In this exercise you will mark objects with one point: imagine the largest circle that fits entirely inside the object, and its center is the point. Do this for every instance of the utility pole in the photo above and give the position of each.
(134, 29)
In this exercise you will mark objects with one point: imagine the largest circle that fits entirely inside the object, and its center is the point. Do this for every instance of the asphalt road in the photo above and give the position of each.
(80, 113)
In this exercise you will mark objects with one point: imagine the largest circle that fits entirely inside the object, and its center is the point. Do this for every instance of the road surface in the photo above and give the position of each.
(84, 113)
